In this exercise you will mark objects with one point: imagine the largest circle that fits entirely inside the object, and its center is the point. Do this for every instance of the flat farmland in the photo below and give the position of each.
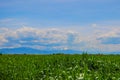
(60, 67)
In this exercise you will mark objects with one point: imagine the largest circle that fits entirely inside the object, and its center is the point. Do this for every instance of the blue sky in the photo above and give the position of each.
(60, 24)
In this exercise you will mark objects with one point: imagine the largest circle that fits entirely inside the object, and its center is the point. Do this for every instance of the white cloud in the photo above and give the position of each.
(28, 35)
(57, 38)
(113, 32)
(94, 25)
(2, 40)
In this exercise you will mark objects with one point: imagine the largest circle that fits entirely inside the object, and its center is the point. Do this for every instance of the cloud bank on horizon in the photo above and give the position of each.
(100, 39)
(60, 24)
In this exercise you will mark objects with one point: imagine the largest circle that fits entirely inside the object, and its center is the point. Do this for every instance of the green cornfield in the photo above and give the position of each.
(60, 67)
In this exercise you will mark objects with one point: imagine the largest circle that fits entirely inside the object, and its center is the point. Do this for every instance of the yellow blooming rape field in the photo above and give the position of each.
(60, 67)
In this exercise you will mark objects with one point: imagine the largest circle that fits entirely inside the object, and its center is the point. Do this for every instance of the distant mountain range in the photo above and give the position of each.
(25, 50)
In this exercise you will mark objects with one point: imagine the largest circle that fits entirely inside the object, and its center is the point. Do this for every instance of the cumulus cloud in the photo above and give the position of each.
(27, 36)
(111, 36)
(56, 38)
(2, 40)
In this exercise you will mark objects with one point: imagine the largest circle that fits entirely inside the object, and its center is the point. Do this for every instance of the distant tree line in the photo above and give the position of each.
(1, 53)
